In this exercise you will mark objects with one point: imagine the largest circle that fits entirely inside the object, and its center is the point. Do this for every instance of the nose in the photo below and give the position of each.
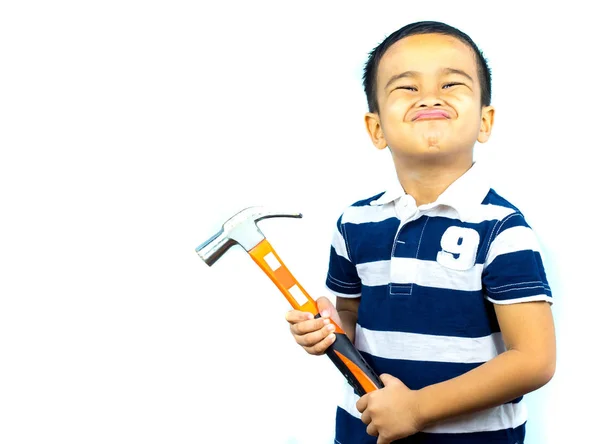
(430, 97)
(429, 101)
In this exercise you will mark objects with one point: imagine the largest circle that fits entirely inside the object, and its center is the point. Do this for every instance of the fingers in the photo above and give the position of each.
(314, 335)
(361, 406)
(312, 326)
(366, 418)
(387, 379)
(381, 440)
(372, 430)
(295, 316)
(308, 337)
(320, 347)
(362, 402)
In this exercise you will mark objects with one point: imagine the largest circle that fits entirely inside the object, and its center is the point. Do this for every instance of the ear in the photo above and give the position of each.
(375, 131)
(487, 122)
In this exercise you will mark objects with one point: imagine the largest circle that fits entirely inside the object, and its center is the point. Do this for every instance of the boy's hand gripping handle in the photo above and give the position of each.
(342, 352)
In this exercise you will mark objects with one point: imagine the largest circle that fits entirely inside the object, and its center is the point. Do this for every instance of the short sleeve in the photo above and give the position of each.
(513, 271)
(342, 277)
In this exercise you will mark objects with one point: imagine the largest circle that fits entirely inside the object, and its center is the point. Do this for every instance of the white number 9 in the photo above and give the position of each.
(459, 248)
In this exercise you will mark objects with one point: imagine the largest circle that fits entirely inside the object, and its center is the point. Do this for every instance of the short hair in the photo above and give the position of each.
(426, 27)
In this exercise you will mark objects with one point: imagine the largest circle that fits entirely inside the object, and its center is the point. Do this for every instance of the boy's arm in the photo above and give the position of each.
(529, 362)
(347, 309)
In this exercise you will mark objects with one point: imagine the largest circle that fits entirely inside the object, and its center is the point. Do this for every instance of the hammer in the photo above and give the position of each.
(242, 229)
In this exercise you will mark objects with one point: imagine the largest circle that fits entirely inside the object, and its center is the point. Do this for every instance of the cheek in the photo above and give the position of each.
(396, 109)
(469, 128)
(394, 114)
(470, 115)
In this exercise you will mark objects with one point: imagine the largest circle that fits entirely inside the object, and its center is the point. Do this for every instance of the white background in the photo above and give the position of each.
(130, 130)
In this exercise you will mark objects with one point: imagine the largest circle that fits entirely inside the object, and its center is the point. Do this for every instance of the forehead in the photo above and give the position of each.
(426, 53)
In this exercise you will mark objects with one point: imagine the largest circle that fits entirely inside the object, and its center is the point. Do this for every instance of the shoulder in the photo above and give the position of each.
(507, 214)
(493, 198)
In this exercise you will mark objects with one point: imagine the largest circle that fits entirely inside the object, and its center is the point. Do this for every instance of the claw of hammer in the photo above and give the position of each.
(239, 229)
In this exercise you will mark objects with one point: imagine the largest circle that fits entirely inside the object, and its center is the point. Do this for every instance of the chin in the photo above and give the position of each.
(433, 140)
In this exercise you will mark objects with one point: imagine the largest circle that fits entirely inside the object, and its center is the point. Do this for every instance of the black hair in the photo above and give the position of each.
(428, 27)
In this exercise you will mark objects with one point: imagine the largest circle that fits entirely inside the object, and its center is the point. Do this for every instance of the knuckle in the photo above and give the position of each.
(308, 326)
(298, 329)
(312, 339)
(301, 339)
(312, 326)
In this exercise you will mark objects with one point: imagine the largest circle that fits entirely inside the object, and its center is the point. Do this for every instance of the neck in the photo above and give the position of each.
(426, 181)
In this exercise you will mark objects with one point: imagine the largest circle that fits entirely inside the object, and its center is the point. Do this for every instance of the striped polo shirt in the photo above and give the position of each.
(428, 278)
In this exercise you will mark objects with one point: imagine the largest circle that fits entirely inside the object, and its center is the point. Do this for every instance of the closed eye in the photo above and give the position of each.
(408, 88)
(450, 85)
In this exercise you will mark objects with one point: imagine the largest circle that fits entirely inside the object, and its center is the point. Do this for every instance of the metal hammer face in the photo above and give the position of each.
(240, 229)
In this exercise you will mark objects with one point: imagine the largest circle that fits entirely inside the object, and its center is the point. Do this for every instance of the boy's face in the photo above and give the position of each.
(429, 100)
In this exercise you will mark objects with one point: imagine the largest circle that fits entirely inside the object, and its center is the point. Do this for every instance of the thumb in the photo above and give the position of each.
(389, 380)
(325, 307)
(327, 310)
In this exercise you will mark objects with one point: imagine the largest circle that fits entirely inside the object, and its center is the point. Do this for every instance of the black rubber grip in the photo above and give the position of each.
(344, 347)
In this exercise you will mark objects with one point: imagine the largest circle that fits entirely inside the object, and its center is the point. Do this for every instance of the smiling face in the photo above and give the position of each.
(429, 100)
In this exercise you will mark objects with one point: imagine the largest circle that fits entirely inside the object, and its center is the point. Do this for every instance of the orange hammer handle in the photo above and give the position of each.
(268, 260)
(342, 352)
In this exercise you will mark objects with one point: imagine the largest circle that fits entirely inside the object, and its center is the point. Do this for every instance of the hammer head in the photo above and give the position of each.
(239, 229)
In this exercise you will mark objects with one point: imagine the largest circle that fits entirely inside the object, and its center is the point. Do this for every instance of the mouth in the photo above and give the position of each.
(431, 115)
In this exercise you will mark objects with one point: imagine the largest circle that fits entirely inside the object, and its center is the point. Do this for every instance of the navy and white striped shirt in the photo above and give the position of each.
(428, 278)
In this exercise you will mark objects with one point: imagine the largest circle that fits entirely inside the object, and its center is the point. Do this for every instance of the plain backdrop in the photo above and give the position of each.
(131, 130)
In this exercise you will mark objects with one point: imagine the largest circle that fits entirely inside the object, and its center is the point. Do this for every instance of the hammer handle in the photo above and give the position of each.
(342, 352)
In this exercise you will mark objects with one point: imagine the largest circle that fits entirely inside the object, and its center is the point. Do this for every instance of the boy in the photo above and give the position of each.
(439, 281)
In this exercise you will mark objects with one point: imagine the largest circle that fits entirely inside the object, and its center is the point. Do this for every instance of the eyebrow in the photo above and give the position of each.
(401, 76)
(417, 74)
(460, 72)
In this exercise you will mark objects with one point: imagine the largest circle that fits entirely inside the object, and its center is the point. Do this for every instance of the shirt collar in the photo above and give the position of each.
(464, 194)
(394, 192)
